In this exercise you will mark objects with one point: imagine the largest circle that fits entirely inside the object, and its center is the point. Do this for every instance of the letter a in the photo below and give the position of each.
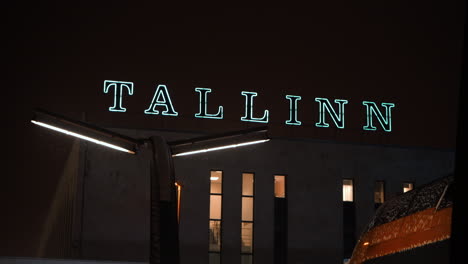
(161, 98)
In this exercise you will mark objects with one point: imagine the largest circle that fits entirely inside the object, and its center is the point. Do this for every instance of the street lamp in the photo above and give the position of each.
(164, 244)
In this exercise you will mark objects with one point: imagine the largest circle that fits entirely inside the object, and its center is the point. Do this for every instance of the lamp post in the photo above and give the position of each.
(164, 243)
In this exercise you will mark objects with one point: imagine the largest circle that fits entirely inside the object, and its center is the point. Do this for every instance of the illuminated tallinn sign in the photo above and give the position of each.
(329, 113)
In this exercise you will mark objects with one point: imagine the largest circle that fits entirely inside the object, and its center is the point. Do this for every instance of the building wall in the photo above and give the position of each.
(116, 195)
(60, 53)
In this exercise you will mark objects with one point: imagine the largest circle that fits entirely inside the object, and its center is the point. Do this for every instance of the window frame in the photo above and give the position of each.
(408, 182)
(342, 193)
(253, 215)
(285, 185)
(384, 190)
(213, 219)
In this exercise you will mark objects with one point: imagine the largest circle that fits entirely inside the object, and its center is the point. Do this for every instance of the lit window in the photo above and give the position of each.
(247, 237)
(216, 180)
(247, 184)
(215, 206)
(216, 199)
(347, 190)
(379, 192)
(280, 186)
(247, 208)
(215, 236)
(247, 218)
(407, 186)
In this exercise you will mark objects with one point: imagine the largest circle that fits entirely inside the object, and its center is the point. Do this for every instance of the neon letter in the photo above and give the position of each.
(325, 106)
(161, 98)
(293, 110)
(118, 92)
(249, 109)
(204, 103)
(373, 110)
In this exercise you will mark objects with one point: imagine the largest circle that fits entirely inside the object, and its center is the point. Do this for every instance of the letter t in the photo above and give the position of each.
(118, 93)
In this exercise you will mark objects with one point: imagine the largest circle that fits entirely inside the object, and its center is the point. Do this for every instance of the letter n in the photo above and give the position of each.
(373, 111)
(326, 107)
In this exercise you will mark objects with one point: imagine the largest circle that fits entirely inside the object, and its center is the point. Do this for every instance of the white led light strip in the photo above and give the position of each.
(220, 148)
(82, 137)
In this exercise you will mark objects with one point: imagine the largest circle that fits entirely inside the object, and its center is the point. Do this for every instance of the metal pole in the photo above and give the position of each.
(164, 229)
(459, 216)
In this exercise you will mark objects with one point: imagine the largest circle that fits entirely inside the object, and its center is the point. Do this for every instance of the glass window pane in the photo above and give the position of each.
(247, 184)
(215, 206)
(216, 180)
(280, 186)
(407, 186)
(347, 190)
(379, 192)
(215, 236)
(246, 259)
(214, 258)
(246, 237)
(247, 208)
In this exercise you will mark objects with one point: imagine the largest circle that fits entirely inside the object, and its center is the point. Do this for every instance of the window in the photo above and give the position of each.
(280, 235)
(379, 192)
(247, 218)
(280, 186)
(407, 186)
(349, 218)
(216, 198)
(348, 190)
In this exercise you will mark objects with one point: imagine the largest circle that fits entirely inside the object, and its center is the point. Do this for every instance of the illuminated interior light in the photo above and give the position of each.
(214, 178)
(118, 93)
(373, 110)
(326, 107)
(249, 109)
(293, 110)
(161, 98)
(366, 243)
(179, 193)
(220, 148)
(67, 132)
(203, 105)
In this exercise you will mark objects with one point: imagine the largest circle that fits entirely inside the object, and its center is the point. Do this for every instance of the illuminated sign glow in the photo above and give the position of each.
(161, 98)
(204, 105)
(326, 107)
(293, 110)
(373, 110)
(327, 110)
(249, 96)
(118, 92)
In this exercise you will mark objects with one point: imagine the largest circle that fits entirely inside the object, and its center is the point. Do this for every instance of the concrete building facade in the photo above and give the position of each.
(112, 218)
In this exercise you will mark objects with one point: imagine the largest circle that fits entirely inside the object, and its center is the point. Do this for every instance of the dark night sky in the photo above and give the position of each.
(58, 55)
